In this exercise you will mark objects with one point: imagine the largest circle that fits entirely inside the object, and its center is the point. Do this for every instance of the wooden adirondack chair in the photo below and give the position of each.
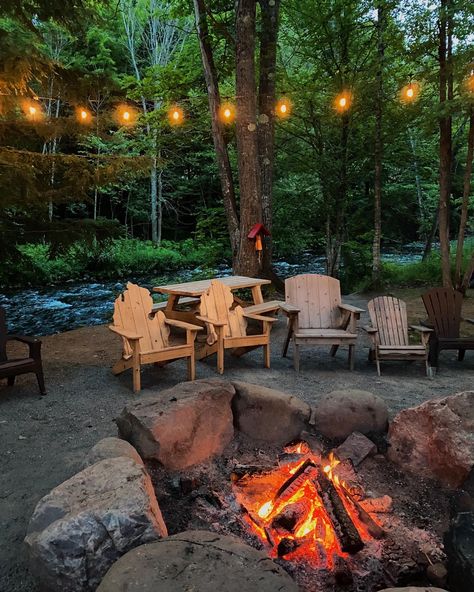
(9, 369)
(389, 333)
(226, 325)
(443, 306)
(145, 335)
(316, 315)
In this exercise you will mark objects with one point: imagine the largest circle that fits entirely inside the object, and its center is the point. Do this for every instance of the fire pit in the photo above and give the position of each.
(216, 459)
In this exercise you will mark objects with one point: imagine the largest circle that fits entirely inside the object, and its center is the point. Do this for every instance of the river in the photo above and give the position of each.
(54, 309)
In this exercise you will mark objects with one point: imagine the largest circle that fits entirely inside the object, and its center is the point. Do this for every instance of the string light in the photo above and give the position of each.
(175, 115)
(126, 115)
(32, 110)
(227, 113)
(343, 101)
(283, 108)
(83, 115)
(410, 92)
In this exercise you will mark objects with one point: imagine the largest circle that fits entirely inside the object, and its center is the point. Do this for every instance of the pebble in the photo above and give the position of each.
(21, 437)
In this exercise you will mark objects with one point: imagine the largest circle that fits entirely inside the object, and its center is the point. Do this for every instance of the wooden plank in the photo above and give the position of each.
(199, 287)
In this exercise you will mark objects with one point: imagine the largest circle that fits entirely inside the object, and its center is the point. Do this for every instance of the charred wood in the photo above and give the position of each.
(344, 528)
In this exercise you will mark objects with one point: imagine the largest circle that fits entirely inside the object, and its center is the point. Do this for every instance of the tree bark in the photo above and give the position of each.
(222, 155)
(376, 260)
(465, 202)
(445, 140)
(266, 107)
(246, 135)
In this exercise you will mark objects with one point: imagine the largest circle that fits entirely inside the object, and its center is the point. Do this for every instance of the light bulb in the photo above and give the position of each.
(283, 108)
(126, 115)
(175, 115)
(342, 102)
(227, 113)
(410, 92)
(83, 114)
(32, 110)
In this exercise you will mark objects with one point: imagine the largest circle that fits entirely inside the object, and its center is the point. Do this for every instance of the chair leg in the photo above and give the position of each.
(287, 341)
(334, 349)
(266, 355)
(137, 384)
(220, 357)
(40, 379)
(296, 357)
(192, 366)
(351, 356)
(461, 353)
(11, 380)
(433, 356)
(377, 361)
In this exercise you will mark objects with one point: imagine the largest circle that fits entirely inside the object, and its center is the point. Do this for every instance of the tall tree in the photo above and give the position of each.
(376, 260)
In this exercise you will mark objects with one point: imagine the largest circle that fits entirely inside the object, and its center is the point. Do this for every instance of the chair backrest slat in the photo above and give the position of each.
(217, 303)
(132, 312)
(443, 306)
(318, 298)
(389, 316)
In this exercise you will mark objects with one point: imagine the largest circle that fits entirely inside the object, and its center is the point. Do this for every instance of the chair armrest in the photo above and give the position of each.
(211, 321)
(124, 333)
(421, 328)
(351, 308)
(289, 308)
(257, 317)
(183, 325)
(370, 330)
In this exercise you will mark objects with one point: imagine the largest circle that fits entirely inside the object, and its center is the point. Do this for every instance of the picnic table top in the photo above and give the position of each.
(235, 282)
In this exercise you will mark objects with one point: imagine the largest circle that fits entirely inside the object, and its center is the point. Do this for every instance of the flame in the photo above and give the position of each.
(265, 510)
(313, 532)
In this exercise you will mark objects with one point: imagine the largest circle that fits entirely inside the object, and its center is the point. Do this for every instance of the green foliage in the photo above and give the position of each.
(37, 264)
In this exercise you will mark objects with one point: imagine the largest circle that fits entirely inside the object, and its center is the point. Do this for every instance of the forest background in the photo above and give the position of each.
(103, 196)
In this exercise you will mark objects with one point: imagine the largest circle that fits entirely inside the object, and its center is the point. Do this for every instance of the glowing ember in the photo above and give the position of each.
(302, 510)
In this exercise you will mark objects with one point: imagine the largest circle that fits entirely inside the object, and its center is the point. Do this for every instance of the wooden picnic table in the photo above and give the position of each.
(189, 290)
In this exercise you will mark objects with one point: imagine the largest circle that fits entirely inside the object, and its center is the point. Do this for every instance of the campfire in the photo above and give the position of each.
(305, 508)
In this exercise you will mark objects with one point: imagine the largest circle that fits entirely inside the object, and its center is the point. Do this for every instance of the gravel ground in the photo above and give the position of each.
(45, 439)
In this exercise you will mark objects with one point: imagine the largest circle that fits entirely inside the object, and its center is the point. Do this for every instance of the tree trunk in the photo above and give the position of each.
(160, 207)
(419, 190)
(222, 155)
(465, 202)
(376, 260)
(154, 199)
(468, 275)
(266, 128)
(431, 236)
(445, 140)
(246, 135)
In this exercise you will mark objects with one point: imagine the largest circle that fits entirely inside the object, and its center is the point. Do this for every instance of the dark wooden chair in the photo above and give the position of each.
(443, 306)
(9, 369)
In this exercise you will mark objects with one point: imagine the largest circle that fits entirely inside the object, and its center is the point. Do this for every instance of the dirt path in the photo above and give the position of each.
(43, 440)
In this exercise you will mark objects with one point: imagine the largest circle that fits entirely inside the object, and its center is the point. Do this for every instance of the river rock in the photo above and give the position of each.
(182, 426)
(268, 415)
(459, 547)
(111, 448)
(436, 439)
(199, 561)
(339, 413)
(85, 524)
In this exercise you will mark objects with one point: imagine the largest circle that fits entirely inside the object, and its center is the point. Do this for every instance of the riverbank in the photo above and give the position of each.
(45, 439)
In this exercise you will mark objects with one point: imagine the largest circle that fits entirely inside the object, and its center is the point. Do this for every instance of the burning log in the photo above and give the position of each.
(286, 546)
(372, 527)
(289, 517)
(344, 528)
(239, 471)
(293, 483)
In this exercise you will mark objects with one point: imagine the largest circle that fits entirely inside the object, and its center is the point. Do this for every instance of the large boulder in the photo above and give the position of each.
(436, 439)
(268, 415)
(182, 426)
(199, 561)
(459, 547)
(85, 524)
(339, 413)
(111, 448)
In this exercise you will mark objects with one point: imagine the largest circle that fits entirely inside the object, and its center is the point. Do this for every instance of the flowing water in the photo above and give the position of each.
(54, 309)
